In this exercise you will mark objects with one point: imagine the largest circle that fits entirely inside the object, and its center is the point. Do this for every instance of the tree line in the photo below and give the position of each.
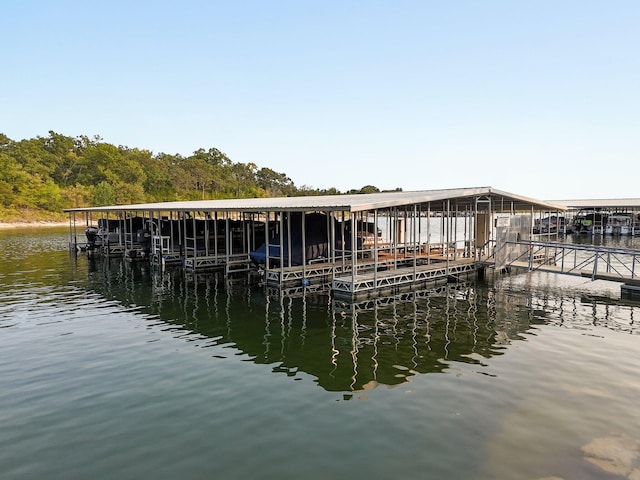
(49, 174)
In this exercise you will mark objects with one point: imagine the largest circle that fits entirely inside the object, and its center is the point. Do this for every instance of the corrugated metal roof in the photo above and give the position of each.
(612, 203)
(348, 203)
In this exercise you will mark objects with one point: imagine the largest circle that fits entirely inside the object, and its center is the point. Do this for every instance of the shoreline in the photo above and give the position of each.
(39, 224)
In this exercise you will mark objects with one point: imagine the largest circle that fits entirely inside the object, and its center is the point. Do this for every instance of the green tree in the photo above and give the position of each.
(110, 163)
(193, 177)
(67, 157)
(220, 171)
(78, 196)
(4, 141)
(11, 175)
(369, 189)
(48, 196)
(104, 194)
(57, 171)
(14, 182)
(158, 185)
(33, 158)
(274, 183)
(244, 176)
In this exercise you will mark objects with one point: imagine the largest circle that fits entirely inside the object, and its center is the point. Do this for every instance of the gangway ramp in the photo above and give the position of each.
(593, 261)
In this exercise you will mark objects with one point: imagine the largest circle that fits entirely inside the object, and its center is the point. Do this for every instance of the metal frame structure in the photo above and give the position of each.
(593, 261)
(610, 207)
(398, 251)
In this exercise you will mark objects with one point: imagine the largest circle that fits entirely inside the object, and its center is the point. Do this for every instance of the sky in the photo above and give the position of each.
(540, 98)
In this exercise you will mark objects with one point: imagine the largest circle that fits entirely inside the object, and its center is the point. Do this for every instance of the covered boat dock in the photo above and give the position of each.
(355, 245)
(611, 216)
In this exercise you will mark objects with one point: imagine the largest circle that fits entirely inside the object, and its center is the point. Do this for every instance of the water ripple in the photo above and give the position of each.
(147, 376)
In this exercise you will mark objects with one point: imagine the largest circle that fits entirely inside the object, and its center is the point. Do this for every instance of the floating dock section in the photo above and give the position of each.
(356, 246)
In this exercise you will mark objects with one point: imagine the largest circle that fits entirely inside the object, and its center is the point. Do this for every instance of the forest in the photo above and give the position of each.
(40, 177)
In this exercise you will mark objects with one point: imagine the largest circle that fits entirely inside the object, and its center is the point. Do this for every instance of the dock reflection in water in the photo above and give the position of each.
(347, 347)
(111, 370)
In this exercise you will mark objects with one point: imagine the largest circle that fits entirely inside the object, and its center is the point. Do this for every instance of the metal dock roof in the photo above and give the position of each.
(348, 203)
(600, 203)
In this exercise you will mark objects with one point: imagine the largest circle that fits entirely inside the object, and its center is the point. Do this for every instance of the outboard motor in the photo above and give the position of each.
(143, 237)
(91, 233)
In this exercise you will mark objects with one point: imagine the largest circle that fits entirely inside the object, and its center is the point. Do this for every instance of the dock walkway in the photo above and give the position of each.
(325, 271)
(377, 282)
(594, 261)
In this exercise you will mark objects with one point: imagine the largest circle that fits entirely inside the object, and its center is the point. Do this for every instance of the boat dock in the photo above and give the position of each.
(356, 246)
(617, 217)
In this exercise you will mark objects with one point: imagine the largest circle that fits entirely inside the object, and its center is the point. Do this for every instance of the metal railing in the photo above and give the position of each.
(574, 259)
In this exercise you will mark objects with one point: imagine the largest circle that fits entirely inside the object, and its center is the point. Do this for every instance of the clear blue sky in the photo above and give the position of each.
(539, 98)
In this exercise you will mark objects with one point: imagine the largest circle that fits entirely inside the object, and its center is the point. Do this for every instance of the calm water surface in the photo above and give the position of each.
(112, 370)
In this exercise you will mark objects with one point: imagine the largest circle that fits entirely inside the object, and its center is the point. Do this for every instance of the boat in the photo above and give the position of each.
(315, 240)
(314, 243)
(106, 232)
(590, 221)
(550, 224)
(111, 231)
(620, 223)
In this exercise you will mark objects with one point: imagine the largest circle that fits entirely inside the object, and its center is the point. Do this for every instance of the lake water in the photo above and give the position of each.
(113, 370)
